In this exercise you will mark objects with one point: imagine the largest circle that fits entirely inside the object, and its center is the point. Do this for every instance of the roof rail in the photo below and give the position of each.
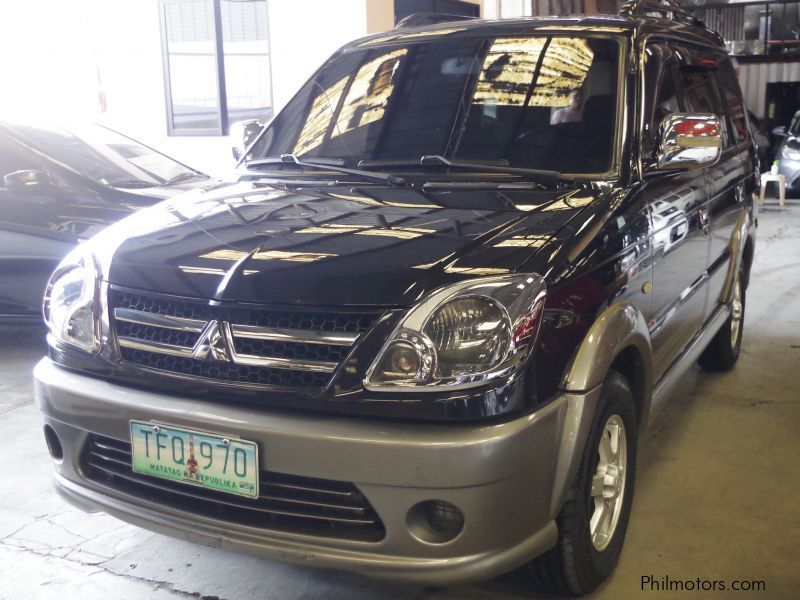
(428, 18)
(668, 9)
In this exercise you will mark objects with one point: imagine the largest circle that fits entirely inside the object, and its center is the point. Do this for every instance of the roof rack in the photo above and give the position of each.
(668, 9)
(428, 18)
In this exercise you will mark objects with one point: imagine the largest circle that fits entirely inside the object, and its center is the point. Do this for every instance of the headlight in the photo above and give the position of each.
(70, 307)
(790, 153)
(462, 335)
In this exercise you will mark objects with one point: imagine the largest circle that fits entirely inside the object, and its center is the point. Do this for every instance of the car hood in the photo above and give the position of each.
(330, 245)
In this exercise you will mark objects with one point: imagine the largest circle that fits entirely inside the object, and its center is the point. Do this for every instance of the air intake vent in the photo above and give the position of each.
(289, 503)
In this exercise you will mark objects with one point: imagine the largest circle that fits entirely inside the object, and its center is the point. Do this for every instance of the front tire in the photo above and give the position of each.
(594, 519)
(723, 350)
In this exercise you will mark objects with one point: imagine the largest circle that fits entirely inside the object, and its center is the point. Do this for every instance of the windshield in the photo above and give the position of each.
(546, 102)
(794, 127)
(107, 157)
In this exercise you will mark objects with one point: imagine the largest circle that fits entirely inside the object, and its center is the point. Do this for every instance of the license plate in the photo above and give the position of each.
(207, 460)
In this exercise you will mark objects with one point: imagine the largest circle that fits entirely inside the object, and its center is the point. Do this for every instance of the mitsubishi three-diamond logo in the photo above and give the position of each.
(212, 345)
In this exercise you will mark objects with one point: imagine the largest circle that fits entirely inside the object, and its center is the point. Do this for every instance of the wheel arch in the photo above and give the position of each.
(618, 340)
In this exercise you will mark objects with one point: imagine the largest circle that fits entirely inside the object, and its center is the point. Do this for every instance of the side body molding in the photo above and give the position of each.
(618, 327)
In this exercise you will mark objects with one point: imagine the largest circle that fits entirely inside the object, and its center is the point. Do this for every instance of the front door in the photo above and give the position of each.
(679, 210)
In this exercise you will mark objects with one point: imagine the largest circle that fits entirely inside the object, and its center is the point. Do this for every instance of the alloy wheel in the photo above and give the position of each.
(608, 483)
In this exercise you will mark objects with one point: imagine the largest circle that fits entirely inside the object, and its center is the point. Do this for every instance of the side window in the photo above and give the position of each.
(699, 91)
(14, 158)
(660, 92)
(731, 97)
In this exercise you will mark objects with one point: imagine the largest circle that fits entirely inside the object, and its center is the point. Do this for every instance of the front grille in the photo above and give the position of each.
(243, 345)
(288, 503)
(224, 371)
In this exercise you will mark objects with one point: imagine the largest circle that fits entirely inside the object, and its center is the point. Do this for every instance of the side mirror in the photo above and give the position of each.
(30, 181)
(688, 141)
(243, 133)
(779, 131)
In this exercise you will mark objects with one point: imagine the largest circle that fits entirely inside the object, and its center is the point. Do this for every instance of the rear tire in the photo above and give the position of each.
(723, 350)
(594, 519)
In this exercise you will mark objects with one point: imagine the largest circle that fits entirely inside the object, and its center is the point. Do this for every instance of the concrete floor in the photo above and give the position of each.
(718, 492)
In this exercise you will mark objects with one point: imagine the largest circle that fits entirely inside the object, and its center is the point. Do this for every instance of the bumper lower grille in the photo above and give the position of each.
(287, 503)
(280, 348)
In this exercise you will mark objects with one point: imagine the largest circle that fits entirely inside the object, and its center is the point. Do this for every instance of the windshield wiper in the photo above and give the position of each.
(291, 159)
(492, 166)
(129, 183)
(180, 177)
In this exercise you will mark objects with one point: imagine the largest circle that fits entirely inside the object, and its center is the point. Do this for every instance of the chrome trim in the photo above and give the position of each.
(303, 336)
(250, 360)
(688, 141)
(155, 320)
(227, 333)
(126, 342)
(290, 364)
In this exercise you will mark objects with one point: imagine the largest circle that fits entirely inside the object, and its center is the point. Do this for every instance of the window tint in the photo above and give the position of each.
(702, 95)
(660, 93)
(546, 102)
(729, 89)
(559, 115)
(699, 91)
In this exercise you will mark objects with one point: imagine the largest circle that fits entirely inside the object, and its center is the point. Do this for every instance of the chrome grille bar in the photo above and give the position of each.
(293, 335)
(155, 320)
(301, 336)
(291, 364)
(148, 346)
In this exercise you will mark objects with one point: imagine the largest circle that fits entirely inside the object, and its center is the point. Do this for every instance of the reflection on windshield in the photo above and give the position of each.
(508, 70)
(369, 92)
(365, 103)
(467, 98)
(565, 69)
(319, 117)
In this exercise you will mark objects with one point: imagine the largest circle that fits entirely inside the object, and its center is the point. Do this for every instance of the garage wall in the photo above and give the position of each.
(754, 77)
(101, 60)
(380, 14)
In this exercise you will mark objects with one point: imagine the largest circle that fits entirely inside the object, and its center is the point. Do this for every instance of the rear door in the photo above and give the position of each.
(730, 181)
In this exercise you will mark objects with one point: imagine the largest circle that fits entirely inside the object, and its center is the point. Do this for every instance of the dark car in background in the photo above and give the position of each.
(59, 187)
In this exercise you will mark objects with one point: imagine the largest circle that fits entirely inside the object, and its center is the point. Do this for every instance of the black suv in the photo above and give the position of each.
(461, 272)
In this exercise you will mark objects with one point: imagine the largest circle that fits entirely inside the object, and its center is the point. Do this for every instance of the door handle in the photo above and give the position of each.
(705, 221)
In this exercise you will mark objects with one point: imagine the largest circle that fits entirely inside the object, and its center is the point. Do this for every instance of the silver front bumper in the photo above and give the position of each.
(508, 479)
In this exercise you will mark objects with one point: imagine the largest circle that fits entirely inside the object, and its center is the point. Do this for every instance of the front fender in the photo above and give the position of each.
(619, 327)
